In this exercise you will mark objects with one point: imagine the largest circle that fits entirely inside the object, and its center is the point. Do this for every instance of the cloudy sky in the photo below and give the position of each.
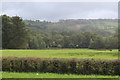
(53, 11)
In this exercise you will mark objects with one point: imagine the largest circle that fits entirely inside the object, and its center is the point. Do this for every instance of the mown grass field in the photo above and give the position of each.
(49, 75)
(63, 53)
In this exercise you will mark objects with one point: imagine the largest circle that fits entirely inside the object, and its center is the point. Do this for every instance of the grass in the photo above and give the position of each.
(50, 75)
(63, 53)
(59, 53)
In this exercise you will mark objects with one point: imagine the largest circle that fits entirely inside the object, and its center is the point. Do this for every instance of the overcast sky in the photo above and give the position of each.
(53, 11)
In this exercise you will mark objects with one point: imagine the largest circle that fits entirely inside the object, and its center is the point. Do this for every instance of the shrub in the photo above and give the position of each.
(72, 66)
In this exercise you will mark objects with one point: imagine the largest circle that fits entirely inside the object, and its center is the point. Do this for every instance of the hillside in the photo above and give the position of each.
(104, 27)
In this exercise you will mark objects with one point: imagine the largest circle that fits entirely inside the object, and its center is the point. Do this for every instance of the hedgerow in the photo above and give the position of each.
(56, 65)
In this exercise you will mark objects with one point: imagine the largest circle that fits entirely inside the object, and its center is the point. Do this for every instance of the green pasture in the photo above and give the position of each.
(50, 75)
(63, 53)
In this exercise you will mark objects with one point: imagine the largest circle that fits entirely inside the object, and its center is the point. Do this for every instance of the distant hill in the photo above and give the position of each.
(104, 27)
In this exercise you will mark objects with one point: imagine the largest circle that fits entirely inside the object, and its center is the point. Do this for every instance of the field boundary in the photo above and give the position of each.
(60, 65)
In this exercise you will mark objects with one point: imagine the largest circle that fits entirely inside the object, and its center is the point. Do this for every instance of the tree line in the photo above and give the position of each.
(15, 35)
(86, 39)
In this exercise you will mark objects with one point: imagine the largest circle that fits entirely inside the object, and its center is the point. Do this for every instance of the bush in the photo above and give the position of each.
(72, 66)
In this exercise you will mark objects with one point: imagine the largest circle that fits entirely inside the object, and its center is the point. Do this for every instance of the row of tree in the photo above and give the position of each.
(72, 40)
(17, 36)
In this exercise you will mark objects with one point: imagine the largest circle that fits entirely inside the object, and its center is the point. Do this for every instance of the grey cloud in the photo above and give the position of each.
(53, 11)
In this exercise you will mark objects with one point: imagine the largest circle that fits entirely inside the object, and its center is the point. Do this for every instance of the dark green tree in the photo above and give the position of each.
(111, 43)
(14, 33)
(97, 43)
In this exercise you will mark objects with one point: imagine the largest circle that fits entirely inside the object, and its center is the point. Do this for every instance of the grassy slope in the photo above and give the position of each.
(63, 53)
(50, 75)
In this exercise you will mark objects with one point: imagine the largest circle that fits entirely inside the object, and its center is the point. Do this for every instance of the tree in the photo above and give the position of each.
(86, 38)
(37, 43)
(111, 43)
(97, 43)
(14, 33)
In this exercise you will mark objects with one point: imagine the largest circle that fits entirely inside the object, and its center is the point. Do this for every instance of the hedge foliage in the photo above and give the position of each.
(72, 66)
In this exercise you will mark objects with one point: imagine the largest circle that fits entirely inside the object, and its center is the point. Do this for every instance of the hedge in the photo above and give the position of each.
(54, 65)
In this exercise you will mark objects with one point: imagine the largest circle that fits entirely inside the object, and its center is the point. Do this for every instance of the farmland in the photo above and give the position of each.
(59, 53)
(63, 53)
(78, 48)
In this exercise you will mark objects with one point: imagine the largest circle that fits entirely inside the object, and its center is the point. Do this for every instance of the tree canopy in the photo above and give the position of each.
(14, 33)
(24, 34)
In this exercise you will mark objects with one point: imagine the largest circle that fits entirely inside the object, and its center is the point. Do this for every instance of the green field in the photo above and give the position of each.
(63, 53)
(50, 75)
(59, 53)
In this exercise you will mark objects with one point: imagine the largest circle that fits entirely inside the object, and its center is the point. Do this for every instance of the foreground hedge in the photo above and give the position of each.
(73, 66)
